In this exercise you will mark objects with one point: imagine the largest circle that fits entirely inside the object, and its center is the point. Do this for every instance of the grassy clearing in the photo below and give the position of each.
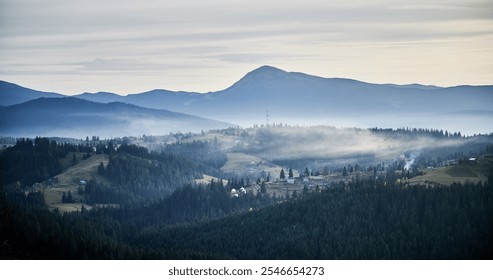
(206, 179)
(70, 179)
(460, 173)
(70, 207)
(241, 163)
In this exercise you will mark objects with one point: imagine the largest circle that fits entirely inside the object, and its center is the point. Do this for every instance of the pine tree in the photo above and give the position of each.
(282, 176)
(101, 170)
(263, 189)
(295, 195)
(305, 190)
(325, 172)
(290, 173)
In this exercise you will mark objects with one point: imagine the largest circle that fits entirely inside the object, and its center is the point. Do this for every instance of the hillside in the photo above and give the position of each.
(11, 94)
(340, 207)
(73, 117)
(70, 180)
(473, 171)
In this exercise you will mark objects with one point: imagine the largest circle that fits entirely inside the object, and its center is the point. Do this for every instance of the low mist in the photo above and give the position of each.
(286, 143)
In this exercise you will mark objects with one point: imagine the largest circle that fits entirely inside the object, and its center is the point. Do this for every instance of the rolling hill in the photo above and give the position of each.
(11, 94)
(73, 117)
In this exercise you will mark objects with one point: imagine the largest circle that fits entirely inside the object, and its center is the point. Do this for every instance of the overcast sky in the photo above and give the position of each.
(127, 46)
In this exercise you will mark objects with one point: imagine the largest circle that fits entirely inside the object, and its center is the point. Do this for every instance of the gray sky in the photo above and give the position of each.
(127, 46)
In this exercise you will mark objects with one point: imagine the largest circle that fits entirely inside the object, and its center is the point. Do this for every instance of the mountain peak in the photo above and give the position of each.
(261, 75)
(11, 94)
(264, 73)
(267, 70)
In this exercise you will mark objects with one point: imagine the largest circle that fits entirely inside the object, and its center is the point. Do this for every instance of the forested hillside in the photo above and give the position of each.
(363, 222)
(145, 205)
(35, 160)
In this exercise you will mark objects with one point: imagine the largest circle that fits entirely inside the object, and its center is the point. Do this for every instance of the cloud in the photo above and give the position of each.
(216, 42)
(335, 144)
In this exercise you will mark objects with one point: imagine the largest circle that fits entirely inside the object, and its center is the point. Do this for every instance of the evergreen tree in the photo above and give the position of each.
(290, 173)
(325, 172)
(101, 169)
(307, 172)
(282, 176)
(294, 195)
(305, 190)
(70, 199)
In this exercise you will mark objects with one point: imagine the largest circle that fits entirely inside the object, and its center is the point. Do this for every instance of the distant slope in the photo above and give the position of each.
(72, 117)
(156, 99)
(292, 97)
(11, 94)
(298, 98)
(467, 171)
(101, 97)
(272, 87)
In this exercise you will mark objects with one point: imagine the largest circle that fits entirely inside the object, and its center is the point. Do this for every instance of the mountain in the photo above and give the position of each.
(101, 97)
(74, 117)
(298, 91)
(298, 98)
(11, 94)
(156, 99)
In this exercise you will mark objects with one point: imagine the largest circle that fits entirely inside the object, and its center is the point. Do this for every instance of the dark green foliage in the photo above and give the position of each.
(67, 198)
(157, 218)
(367, 223)
(360, 223)
(307, 172)
(38, 159)
(188, 205)
(263, 188)
(101, 169)
(114, 233)
(206, 154)
(33, 161)
(149, 176)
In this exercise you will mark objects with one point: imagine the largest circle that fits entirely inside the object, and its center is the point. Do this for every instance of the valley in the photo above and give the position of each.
(256, 156)
(280, 165)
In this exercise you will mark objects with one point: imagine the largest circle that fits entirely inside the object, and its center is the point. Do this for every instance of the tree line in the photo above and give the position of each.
(361, 221)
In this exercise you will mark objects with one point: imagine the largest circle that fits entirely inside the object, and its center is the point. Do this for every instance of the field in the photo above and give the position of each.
(206, 179)
(70, 180)
(470, 171)
(241, 163)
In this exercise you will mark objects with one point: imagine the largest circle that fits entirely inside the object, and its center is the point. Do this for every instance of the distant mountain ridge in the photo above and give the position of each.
(300, 98)
(11, 94)
(75, 117)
